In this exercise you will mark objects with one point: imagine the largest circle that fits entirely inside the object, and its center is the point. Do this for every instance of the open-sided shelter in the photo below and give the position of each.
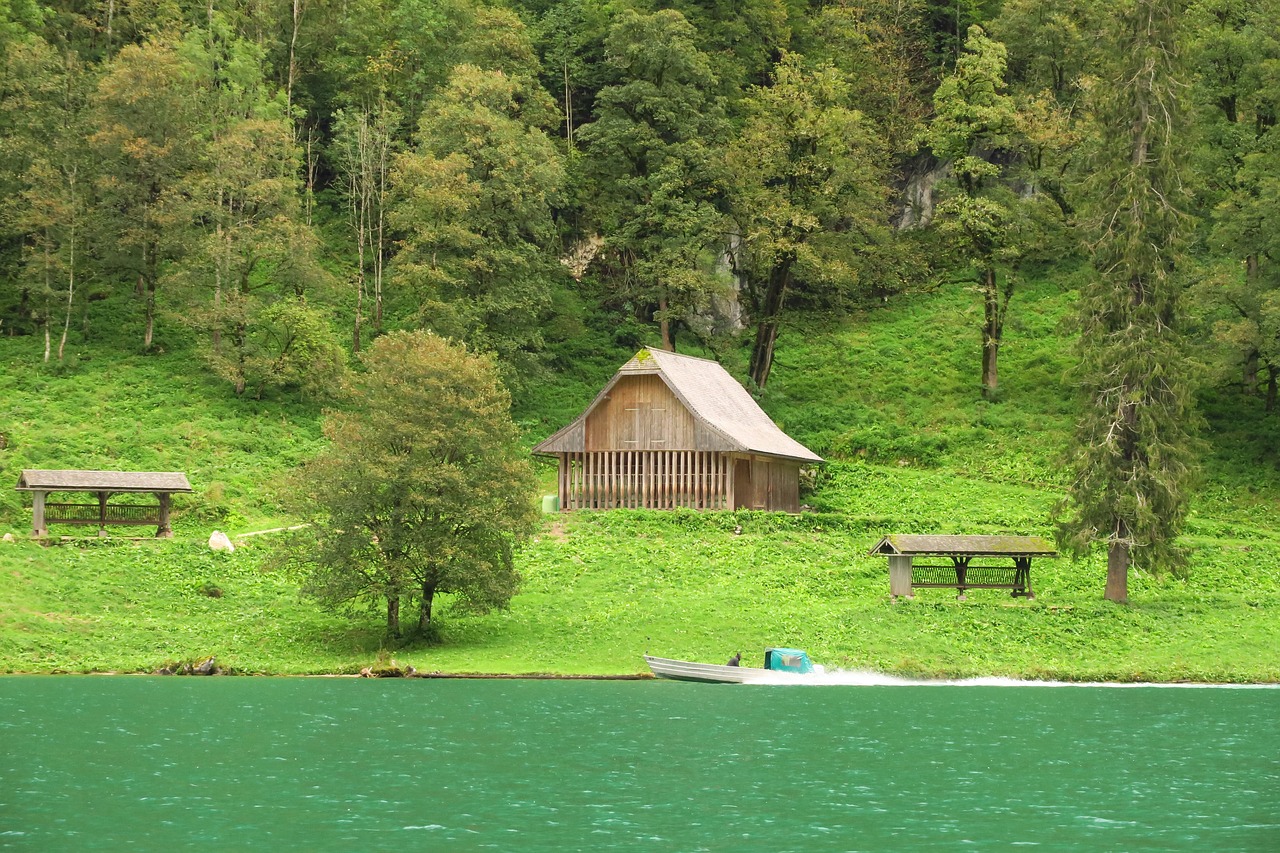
(975, 562)
(672, 430)
(103, 484)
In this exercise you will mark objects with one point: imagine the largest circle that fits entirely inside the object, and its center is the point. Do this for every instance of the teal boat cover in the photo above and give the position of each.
(787, 660)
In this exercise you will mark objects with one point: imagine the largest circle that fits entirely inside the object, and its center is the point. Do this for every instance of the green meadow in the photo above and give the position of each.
(888, 394)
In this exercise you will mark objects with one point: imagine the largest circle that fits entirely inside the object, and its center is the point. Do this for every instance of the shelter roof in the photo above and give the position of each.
(33, 480)
(965, 546)
(710, 394)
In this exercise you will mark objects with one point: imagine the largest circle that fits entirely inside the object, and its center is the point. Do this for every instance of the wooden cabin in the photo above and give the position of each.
(671, 431)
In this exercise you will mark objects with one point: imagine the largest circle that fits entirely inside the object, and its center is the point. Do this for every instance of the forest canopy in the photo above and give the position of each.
(285, 183)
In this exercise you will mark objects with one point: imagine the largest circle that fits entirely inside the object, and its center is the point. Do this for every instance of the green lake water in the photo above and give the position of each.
(169, 764)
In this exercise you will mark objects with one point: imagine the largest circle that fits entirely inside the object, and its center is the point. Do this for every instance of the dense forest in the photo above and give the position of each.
(283, 183)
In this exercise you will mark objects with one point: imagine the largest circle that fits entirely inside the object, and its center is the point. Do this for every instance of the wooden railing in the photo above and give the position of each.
(92, 514)
(963, 576)
(644, 479)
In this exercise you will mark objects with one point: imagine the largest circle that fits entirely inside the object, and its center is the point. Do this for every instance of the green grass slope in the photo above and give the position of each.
(890, 396)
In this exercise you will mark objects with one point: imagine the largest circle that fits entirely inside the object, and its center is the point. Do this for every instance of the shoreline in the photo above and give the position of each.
(832, 679)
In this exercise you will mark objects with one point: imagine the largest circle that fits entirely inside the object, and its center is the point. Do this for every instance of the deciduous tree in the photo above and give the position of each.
(807, 192)
(424, 489)
(473, 201)
(975, 127)
(145, 117)
(651, 164)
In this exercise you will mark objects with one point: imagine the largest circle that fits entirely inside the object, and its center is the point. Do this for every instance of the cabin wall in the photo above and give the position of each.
(764, 483)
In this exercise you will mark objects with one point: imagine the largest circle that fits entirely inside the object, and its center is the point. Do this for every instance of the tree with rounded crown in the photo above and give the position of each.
(652, 164)
(424, 489)
(805, 188)
(1132, 456)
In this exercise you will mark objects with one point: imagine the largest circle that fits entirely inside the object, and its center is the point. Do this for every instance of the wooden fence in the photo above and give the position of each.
(645, 479)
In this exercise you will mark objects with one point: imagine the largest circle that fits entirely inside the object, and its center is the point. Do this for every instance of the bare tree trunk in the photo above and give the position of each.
(71, 271)
(313, 158)
(664, 324)
(393, 616)
(762, 352)
(568, 110)
(359, 221)
(1117, 572)
(992, 331)
(48, 288)
(293, 59)
(379, 240)
(149, 335)
(424, 613)
(767, 323)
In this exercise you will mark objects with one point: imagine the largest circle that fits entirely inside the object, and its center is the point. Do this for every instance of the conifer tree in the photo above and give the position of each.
(1133, 445)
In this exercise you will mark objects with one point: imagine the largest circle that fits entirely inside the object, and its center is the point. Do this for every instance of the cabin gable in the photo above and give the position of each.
(642, 413)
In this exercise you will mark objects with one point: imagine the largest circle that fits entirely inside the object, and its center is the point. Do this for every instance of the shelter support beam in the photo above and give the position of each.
(900, 577)
(164, 531)
(38, 527)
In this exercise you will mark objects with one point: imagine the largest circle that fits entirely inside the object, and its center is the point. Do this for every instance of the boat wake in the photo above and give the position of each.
(866, 678)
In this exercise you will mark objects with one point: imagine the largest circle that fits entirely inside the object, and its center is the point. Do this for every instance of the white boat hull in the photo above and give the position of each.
(712, 673)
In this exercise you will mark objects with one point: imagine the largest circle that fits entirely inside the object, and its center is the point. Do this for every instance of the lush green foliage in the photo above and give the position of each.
(193, 198)
(423, 489)
(600, 588)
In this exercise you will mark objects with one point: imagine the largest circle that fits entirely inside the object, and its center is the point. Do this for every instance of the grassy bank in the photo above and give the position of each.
(600, 588)
(884, 395)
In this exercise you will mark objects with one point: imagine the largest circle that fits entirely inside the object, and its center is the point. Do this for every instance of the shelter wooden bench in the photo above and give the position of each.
(961, 572)
(41, 483)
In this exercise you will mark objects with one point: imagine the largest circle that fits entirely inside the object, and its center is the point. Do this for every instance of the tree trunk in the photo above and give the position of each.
(424, 612)
(992, 333)
(664, 324)
(150, 271)
(1118, 572)
(767, 315)
(1273, 376)
(71, 284)
(292, 73)
(393, 616)
(762, 352)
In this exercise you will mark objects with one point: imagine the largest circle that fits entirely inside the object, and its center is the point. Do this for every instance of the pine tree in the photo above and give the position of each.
(1133, 447)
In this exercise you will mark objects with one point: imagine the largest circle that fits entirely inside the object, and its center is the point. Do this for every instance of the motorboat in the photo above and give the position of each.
(780, 666)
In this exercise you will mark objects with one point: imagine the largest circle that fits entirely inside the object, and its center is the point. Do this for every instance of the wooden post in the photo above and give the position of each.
(730, 484)
(900, 576)
(38, 528)
(1023, 576)
(102, 513)
(164, 531)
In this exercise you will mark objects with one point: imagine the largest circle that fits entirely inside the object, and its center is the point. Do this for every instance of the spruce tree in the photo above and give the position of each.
(1132, 457)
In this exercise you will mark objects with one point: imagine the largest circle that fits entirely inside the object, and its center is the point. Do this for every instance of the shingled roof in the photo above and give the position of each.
(36, 480)
(711, 395)
(974, 546)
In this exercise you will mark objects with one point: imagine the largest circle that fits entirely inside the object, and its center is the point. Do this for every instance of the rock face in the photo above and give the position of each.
(218, 541)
